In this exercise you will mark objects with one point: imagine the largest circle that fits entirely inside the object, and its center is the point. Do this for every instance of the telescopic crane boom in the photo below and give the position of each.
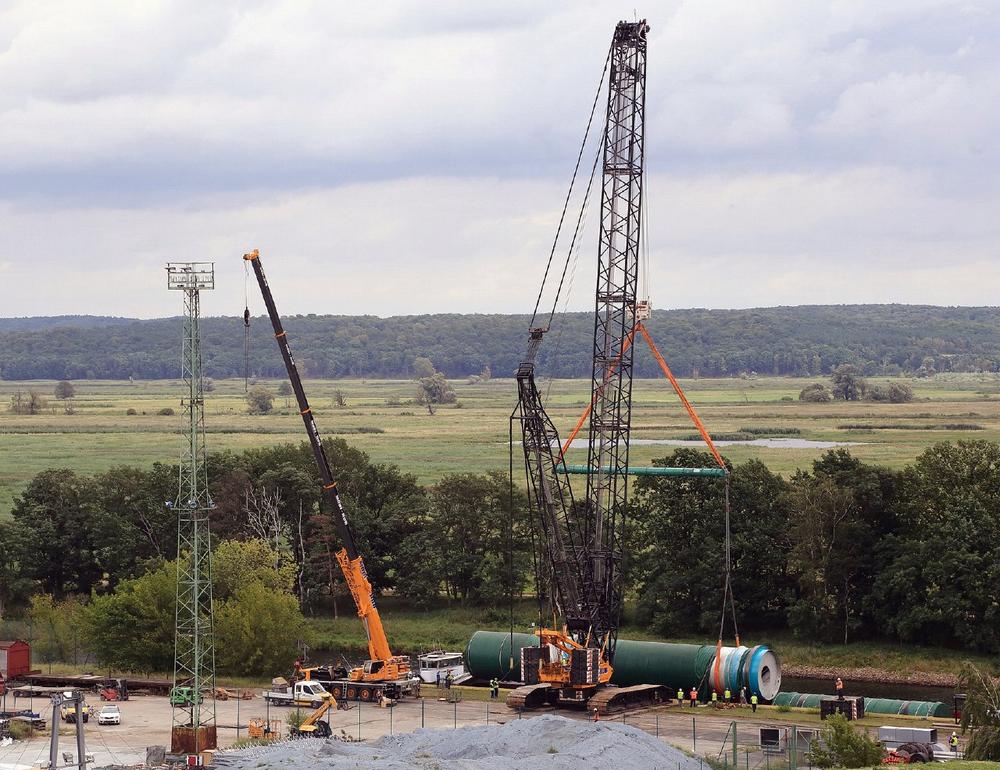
(383, 665)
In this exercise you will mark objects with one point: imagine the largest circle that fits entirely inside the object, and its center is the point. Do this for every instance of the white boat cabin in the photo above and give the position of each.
(439, 663)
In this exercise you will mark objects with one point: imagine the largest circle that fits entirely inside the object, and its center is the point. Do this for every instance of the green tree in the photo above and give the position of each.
(981, 713)
(64, 389)
(469, 516)
(132, 629)
(827, 537)
(848, 384)
(258, 630)
(843, 746)
(435, 390)
(238, 563)
(676, 545)
(54, 523)
(54, 626)
(14, 587)
(259, 400)
(422, 367)
(942, 570)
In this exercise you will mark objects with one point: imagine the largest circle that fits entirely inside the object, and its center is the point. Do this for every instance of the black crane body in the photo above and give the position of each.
(582, 538)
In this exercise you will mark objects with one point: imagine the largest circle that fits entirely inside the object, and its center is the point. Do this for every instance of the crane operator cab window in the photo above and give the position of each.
(374, 666)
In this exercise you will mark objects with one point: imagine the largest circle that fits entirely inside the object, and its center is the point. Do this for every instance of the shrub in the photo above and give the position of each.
(64, 389)
(166, 411)
(843, 746)
(130, 411)
(817, 393)
(259, 400)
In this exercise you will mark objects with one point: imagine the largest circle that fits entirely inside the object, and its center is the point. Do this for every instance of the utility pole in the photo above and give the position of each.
(193, 725)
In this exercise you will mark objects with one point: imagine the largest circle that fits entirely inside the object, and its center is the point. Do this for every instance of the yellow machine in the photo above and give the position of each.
(383, 672)
(313, 726)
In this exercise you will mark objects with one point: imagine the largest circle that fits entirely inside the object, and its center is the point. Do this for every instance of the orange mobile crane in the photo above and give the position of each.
(383, 672)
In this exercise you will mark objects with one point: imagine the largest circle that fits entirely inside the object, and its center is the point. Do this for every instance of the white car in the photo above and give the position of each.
(109, 715)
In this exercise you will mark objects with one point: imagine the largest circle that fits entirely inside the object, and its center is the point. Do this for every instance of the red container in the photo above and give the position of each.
(15, 658)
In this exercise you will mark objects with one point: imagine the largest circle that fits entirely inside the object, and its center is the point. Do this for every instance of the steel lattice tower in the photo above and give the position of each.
(193, 728)
(614, 317)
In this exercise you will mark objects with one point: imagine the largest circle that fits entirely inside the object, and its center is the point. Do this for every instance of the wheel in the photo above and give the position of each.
(316, 704)
(365, 694)
(323, 730)
(338, 691)
(352, 692)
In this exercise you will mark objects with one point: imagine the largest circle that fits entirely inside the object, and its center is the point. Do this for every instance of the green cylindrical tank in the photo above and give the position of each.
(916, 708)
(488, 654)
(674, 665)
(677, 666)
(786, 699)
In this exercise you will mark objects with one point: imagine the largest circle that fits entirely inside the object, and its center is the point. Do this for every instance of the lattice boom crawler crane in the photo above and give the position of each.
(582, 538)
(382, 672)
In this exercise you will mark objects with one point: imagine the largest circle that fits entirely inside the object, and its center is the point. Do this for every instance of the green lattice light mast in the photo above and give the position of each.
(193, 724)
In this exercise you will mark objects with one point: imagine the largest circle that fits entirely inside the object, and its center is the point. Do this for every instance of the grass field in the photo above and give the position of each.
(99, 434)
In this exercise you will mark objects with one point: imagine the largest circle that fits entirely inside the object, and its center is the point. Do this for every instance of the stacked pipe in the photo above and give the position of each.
(677, 666)
(917, 708)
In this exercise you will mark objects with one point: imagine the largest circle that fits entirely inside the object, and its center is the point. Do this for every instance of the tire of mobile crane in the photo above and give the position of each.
(352, 692)
(338, 691)
(365, 694)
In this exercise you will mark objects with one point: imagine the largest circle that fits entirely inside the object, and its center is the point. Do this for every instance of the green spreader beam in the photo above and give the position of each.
(653, 471)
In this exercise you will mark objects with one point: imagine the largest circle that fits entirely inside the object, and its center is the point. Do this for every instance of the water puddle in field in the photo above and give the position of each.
(767, 443)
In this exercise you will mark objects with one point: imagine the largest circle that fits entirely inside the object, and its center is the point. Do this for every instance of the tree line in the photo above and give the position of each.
(800, 341)
(843, 551)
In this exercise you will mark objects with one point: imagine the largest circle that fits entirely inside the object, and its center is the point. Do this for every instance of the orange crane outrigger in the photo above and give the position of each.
(383, 671)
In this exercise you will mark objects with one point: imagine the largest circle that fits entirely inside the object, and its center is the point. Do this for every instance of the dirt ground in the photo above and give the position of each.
(146, 722)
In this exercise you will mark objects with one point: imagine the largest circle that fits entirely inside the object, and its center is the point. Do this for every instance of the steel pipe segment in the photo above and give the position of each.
(677, 666)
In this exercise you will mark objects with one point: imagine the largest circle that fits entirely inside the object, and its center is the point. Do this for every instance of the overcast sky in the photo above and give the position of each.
(405, 157)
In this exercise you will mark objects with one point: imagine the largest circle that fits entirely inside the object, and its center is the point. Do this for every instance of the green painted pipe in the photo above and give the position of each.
(676, 666)
(872, 705)
(653, 471)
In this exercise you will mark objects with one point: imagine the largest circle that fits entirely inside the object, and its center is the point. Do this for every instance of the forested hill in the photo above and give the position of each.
(803, 340)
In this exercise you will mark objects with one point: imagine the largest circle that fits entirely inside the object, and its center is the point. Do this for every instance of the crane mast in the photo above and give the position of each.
(348, 557)
(614, 317)
(582, 538)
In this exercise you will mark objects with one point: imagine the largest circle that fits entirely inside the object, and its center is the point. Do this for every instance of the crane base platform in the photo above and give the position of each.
(606, 700)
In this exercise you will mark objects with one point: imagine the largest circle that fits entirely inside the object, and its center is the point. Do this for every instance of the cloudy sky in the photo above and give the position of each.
(411, 157)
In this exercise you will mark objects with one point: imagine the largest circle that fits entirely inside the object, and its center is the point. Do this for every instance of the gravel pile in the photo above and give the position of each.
(548, 741)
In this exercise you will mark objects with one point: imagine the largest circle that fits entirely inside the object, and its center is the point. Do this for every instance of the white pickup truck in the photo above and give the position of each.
(311, 694)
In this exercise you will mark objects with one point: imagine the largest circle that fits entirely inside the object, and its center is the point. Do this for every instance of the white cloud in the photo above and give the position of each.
(414, 155)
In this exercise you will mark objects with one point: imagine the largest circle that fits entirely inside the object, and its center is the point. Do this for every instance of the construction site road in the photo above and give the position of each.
(146, 721)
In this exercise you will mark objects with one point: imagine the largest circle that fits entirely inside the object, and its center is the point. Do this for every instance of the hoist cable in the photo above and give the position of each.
(569, 193)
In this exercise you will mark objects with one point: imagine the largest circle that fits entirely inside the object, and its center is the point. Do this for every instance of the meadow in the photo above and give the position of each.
(93, 432)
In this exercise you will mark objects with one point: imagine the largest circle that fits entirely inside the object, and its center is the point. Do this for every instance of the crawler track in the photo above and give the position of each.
(611, 699)
(530, 696)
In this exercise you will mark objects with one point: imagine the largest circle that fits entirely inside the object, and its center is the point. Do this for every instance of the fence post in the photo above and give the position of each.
(239, 697)
(360, 702)
(736, 759)
(422, 712)
(487, 713)
(657, 725)
(694, 735)
(793, 748)
(391, 709)
(456, 715)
